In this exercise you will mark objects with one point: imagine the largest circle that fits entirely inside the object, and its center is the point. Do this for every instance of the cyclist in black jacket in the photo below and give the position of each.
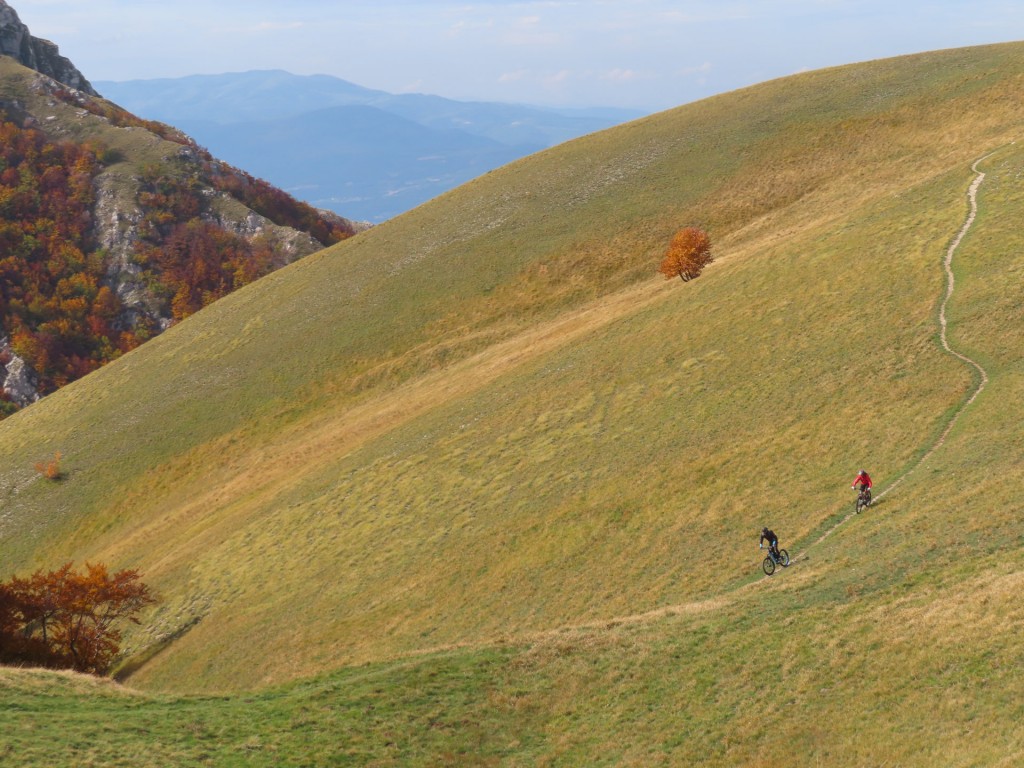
(772, 539)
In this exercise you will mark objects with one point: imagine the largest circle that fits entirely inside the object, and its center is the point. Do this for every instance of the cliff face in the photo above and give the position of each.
(35, 53)
(113, 228)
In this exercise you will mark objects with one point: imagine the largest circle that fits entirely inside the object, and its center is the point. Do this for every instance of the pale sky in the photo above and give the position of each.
(646, 54)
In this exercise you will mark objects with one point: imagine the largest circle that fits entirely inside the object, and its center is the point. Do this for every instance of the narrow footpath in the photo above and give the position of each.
(727, 596)
(982, 377)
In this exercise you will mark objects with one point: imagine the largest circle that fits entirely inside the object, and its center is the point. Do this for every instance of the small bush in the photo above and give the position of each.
(111, 156)
(687, 255)
(50, 469)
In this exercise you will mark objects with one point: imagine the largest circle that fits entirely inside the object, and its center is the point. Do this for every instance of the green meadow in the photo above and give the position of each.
(478, 486)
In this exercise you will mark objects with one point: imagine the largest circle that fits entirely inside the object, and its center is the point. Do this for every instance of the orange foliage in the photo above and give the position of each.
(50, 469)
(65, 619)
(54, 308)
(48, 286)
(192, 262)
(278, 206)
(687, 255)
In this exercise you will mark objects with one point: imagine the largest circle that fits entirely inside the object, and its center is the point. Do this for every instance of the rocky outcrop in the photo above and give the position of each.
(355, 226)
(116, 223)
(289, 244)
(17, 379)
(35, 53)
(148, 180)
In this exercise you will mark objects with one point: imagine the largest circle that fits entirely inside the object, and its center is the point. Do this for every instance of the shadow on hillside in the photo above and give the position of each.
(134, 663)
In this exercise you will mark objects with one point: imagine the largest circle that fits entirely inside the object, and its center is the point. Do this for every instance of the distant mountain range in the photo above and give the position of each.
(365, 153)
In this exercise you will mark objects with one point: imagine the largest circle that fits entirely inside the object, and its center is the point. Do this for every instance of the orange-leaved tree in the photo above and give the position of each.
(687, 254)
(67, 619)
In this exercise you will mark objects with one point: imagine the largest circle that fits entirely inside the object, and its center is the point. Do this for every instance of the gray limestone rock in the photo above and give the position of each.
(19, 381)
(35, 53)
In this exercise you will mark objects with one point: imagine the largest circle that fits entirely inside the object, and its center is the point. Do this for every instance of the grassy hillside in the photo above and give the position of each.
(508, 484)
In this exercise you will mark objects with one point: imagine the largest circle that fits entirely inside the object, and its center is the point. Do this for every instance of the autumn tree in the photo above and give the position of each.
(687, 254)
(58, 306)
(15, 645)
(53, 307)
(67, 619)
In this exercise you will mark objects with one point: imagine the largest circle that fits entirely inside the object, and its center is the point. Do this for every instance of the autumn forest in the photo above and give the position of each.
(58, 308)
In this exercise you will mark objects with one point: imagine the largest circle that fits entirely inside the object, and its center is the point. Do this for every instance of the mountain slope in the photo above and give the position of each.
(521, 480)
(112, 228)
(236, 97)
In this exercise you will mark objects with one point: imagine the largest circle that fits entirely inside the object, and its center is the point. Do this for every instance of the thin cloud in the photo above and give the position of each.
(701, 69)
(513, 77)
(622, 75)
(559, 78)
(532, 30)
(464, 26)
(277, 26)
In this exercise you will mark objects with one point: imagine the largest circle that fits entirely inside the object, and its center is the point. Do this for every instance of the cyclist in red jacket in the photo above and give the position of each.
(863, 479)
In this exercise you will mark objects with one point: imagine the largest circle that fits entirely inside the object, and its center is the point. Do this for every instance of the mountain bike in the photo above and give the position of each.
(863, 499)
(772, 560)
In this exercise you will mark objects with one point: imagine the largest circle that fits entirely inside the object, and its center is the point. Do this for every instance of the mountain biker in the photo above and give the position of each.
(863, 479)
(772, 539)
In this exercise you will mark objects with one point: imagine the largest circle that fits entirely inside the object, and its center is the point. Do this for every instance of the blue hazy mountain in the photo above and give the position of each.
(364, 153)
(358, 159)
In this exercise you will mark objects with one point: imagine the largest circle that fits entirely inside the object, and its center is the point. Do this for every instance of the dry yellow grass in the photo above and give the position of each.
(485, 425)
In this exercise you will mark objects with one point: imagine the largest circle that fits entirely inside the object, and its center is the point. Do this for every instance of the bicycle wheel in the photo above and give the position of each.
(769, 566)
(784, 557)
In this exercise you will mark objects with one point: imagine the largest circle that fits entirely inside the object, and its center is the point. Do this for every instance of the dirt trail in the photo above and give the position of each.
(730, 596)
(727, 598)
(972, 198)
(286, 461)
